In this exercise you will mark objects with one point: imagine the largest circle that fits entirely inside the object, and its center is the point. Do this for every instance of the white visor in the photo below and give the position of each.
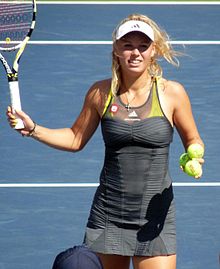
(132, 26)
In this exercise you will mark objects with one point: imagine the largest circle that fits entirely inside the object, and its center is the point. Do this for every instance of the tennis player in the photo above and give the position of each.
(133, 212)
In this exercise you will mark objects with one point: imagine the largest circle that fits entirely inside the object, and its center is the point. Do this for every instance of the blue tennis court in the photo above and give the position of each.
(38, 221)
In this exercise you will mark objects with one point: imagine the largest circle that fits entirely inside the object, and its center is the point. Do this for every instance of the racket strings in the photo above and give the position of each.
(15, 21)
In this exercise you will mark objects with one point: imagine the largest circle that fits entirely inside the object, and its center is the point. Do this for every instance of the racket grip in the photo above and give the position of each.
(15, 102)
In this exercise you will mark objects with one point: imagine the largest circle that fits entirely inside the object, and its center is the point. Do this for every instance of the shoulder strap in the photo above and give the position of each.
(107, 103)
(156, 109)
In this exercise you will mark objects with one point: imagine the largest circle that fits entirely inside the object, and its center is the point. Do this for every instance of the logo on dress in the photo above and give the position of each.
(114, 108)
(133, 114)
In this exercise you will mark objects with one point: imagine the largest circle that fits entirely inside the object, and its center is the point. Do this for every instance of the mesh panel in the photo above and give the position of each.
(150, 108)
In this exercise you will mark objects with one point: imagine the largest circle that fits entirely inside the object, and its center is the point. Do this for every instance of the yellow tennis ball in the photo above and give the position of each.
(8, 40)
(184, 158)
(193, 168)
(195, 151)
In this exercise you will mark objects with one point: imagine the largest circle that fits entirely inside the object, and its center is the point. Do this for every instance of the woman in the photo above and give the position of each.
(133, 213)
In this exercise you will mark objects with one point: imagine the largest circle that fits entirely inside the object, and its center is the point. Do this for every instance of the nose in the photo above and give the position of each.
(135, 51)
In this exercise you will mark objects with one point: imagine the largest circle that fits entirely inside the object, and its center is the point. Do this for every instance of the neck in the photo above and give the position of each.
(135, 93)
(137, 86)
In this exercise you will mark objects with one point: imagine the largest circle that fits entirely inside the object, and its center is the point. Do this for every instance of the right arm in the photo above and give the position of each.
(68, 139)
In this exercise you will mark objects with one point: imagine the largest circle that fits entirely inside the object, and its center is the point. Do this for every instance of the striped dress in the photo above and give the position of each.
(133, 212)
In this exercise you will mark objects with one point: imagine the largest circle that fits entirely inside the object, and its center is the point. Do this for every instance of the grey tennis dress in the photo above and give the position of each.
(133, 212)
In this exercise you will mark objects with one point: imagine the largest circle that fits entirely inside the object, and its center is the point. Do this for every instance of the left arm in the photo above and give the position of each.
(183, 118)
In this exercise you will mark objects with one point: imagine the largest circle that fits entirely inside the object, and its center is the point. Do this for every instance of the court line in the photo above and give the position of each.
(91, 185)
(128, 3)
(89, 42)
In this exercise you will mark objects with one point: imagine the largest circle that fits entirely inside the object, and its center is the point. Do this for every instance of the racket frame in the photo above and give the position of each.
(12, 72)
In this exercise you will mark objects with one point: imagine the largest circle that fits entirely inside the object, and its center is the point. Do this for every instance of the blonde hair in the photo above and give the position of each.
(163, 49)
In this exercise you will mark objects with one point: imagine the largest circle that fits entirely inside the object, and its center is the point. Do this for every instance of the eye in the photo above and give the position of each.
(127, 46)
(144, 46)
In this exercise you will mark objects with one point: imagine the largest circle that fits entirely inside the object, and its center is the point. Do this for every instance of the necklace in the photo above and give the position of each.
(128, 105)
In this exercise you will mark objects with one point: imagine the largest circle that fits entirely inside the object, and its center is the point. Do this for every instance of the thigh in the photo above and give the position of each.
(157, 262)
(114, 261)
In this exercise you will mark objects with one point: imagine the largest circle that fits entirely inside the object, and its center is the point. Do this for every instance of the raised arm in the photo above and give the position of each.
(68, 139)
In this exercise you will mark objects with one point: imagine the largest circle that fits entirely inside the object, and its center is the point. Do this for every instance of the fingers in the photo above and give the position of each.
(9, 111)
(192, 167)
(21, 115)
(199, 176)
(201, 160)
(12, 119)
(181, 167)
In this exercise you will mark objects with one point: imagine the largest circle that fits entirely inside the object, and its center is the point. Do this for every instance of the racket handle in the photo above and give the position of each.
(15, 102)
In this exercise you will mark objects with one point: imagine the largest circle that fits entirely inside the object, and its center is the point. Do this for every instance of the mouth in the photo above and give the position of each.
(134, 62)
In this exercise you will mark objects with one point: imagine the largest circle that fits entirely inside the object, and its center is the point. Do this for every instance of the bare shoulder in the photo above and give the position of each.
(171, 86)
(101, 86)
(98, 94)
(173, 90)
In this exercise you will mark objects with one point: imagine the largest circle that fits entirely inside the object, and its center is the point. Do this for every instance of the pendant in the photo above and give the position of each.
(127, 107)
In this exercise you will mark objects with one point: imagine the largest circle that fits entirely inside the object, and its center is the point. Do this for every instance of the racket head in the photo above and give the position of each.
(17, 21)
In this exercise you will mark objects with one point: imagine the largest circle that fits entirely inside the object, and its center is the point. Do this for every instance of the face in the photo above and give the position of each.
(134, 52)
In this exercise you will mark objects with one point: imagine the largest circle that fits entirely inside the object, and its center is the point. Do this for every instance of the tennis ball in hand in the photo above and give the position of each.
(193, 168)
(195, 151)
(184, 158)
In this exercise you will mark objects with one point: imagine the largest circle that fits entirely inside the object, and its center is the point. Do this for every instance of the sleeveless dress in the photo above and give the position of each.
(133, 211)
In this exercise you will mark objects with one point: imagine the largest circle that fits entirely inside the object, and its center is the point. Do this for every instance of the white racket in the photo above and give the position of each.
(17, 22)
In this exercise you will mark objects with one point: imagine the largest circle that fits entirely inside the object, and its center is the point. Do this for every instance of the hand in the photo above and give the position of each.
(28, 122)
(201, 161)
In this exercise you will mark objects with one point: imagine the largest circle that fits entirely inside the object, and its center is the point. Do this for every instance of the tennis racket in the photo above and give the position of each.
(17, 22)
